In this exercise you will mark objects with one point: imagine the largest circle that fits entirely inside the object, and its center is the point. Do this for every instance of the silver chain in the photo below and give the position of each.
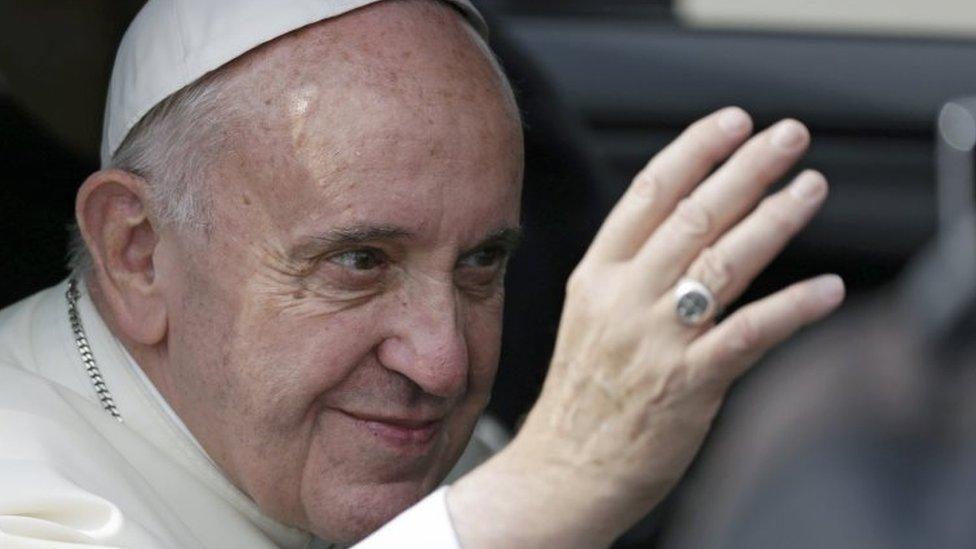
(84, 349)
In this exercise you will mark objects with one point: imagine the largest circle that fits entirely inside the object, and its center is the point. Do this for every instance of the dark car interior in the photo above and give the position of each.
(602, 87)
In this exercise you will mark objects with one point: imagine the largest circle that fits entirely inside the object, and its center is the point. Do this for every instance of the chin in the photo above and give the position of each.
(359, 511)
(349, 491)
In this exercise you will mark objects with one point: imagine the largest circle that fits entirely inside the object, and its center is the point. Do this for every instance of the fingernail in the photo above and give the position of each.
(734, 121)
(789, 135)
(829, 289)
(809, 186)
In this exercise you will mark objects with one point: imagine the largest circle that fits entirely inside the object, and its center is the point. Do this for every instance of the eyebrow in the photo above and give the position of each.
(341, 237)
(346, 236)
(508, 238)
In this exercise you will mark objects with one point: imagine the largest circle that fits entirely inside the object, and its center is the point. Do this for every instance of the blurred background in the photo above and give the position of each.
(603, 85)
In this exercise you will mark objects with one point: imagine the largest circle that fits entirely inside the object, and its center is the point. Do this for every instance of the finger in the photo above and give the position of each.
(730, 348)
(666, 178)
(728, 267)
(720, 201)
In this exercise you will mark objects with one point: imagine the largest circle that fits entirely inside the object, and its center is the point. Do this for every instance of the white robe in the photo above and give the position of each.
(71, 476)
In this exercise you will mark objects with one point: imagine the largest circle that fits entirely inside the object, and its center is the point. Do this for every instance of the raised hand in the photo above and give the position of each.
(633, 388)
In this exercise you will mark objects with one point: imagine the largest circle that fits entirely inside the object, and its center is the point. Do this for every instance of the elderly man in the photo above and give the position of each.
(286, 308)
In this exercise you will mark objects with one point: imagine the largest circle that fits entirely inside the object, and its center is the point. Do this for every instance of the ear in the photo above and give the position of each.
(112, 210)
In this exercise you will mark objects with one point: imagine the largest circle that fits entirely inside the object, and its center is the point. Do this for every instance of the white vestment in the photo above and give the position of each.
(72, 476)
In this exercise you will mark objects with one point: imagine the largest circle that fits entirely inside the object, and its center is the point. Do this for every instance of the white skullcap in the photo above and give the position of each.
(172, 43)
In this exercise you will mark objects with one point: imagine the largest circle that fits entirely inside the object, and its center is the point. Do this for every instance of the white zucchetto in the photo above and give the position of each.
(172, 43)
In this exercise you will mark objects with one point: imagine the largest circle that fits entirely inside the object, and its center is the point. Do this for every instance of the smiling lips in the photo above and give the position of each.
(398, 431)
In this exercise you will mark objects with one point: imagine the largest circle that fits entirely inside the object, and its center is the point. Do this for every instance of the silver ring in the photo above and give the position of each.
(693, 302)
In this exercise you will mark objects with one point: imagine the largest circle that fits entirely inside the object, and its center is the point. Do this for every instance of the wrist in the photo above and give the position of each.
(519, 500)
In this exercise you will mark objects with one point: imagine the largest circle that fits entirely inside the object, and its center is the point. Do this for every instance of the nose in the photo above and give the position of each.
(427, 342)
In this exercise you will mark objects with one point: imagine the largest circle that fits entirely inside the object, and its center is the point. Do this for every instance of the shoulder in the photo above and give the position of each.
(34, 408)
(44, 426)
(61, 477)
(34, 330)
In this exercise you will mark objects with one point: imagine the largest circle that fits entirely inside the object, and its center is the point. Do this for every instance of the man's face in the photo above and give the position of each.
(334, 337)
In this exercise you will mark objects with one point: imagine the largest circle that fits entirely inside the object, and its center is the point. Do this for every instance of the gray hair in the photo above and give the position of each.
(172, 148)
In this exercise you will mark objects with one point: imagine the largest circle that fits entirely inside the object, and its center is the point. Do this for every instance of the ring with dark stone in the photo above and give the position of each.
(694, 302)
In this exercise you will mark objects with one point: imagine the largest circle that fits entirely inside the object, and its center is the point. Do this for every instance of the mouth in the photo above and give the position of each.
(398, 431)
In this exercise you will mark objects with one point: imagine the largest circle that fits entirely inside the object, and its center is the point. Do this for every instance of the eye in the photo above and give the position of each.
(358, 260)
(482, 270)
(355, 270)
(485, 258)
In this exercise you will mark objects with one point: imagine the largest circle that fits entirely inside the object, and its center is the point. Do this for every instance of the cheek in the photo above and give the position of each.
(301, 357)
(200, 323)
